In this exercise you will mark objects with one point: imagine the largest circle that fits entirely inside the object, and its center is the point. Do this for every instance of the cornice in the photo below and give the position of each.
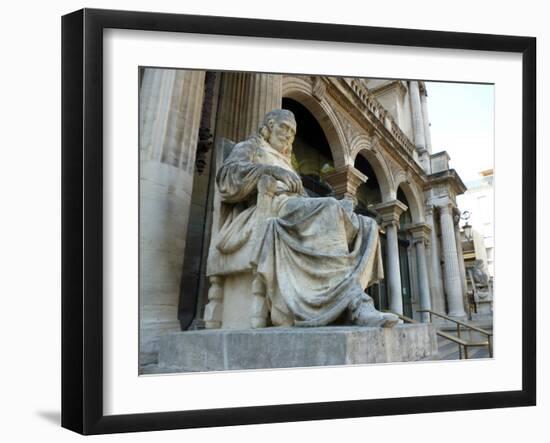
(450, 178)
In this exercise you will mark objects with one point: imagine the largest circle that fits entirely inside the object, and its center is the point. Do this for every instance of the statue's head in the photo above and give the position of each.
(279, 129)
(480, 276)
(478, 264)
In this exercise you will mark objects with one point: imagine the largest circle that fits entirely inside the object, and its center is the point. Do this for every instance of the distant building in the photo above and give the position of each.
(478, 201)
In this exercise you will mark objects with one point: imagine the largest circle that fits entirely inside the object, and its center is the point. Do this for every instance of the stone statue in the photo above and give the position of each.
(481, 288)
(480, 277)
(307, 260)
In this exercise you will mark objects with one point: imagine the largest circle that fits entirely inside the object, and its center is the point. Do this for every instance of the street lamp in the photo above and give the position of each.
(467, 227)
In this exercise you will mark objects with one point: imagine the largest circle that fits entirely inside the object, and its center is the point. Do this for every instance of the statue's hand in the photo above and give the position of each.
(289, 178)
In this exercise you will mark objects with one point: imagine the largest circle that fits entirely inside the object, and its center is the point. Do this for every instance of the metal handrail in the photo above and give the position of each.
(403, 317)
(454, 320)
(458, 340)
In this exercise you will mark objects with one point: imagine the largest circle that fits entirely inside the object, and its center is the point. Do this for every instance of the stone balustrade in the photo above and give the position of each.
(379, 112)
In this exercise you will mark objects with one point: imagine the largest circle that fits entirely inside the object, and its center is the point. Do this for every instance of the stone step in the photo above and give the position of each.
(448, 350)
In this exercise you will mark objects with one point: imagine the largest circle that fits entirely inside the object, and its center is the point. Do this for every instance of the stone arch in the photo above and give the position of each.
(361, 145)
(416, 206)
(300, 89)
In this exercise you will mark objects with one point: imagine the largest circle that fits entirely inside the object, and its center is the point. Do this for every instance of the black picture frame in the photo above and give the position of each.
(82, 219)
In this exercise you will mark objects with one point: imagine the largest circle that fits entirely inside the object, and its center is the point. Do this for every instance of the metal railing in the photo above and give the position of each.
(403, 317)
(462, 344)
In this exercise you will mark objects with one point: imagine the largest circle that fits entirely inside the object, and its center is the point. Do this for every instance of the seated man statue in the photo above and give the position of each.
(310, 258)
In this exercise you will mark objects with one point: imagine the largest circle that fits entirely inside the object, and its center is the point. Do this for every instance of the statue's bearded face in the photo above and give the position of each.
(282, 134)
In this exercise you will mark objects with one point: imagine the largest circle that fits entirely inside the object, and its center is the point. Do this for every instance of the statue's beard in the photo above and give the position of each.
(282, 147)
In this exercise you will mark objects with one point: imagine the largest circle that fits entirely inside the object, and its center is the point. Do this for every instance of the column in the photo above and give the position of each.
(453, 285)
(418, 125)
(416, 108)
(436, 283)
(420, 234)
(394, 271)
(390, 213)
(170, 109)
(426, 120)
(345, 181)
(461, 266)
(246, 98)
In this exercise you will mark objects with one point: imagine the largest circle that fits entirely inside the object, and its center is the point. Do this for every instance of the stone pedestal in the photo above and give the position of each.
(218, 350)
(484, 303)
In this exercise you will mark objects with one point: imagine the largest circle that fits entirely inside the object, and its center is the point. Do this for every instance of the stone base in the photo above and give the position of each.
(222, 349)
(483, 319)
(484, 307)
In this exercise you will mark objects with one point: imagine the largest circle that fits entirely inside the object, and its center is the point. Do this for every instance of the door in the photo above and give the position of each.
(405, 278)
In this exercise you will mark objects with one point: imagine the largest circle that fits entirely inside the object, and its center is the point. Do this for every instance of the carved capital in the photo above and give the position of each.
(420, 232)
(445, 205)
(390, 211)
(345, 181)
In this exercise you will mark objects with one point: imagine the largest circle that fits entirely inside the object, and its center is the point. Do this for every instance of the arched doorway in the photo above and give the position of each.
(369, 194)
(311, 154)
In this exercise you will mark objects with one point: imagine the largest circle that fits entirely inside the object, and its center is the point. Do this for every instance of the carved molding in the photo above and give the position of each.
(300, 88)
(318, 88)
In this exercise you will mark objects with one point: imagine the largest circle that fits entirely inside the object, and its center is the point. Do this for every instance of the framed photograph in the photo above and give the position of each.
(270, 221)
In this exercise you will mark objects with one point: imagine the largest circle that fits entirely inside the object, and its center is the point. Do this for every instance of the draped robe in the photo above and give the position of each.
(315, 255)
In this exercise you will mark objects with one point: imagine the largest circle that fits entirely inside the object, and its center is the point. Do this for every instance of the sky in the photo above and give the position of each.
(462, 123)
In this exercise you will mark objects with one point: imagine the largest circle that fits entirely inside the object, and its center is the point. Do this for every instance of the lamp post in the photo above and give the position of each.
(467, 227)
(465, 215)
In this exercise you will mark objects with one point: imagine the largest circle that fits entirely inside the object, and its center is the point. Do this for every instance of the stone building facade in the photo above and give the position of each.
(365, 139)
